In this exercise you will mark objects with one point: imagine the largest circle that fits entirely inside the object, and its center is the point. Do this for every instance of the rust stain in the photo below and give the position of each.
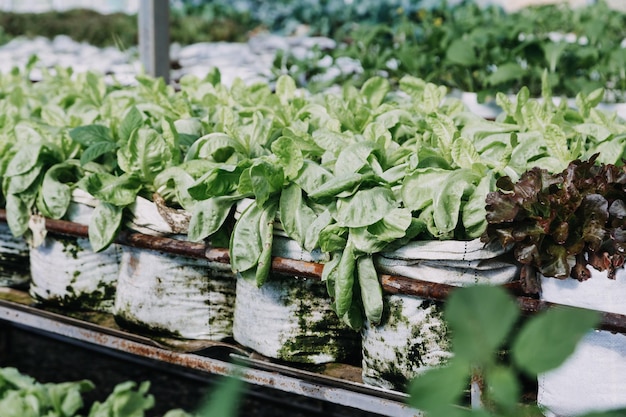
(217, 255)
(298, 268)
(162, 355)
(133, 263)
(312, 391)
(193, 361)
(267, 382)
(403, 285)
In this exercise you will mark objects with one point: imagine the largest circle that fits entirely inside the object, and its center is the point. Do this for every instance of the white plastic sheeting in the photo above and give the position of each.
(593, 378)
(39, 6)
(451, 262)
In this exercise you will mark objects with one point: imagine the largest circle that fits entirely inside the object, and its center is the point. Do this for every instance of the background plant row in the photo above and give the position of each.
(484, 50)
(462, 46)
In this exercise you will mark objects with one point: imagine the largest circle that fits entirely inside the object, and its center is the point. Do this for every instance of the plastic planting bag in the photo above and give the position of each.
(66, 272)
(176, 296)
(172, 295)
(291, 318)
(593, 378)
(412, 336)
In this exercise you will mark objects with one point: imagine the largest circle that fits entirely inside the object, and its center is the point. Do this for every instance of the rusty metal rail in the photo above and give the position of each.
(294, 381)
(391, 283)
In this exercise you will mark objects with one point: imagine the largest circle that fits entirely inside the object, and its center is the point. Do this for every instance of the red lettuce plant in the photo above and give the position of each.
(559, 224)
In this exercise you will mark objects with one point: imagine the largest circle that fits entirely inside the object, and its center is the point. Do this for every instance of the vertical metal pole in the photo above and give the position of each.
(477, 387)
(154, 37)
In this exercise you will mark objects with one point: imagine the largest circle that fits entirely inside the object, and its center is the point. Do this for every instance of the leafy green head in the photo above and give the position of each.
(561, 223)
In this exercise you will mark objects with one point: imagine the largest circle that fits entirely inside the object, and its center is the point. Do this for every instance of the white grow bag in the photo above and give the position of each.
(172, 295)
(66, 272)
(14, 259)
(291, 318)
(593, 378)
(412, 336)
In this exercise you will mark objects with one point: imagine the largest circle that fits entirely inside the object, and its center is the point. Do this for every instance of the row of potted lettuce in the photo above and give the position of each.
(365, 172)
(23, 395)
(351, 174)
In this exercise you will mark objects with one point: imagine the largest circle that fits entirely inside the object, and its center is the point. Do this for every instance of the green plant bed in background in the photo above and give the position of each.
(120, 29)
(465, 47)
(481, 50)
(81, 25)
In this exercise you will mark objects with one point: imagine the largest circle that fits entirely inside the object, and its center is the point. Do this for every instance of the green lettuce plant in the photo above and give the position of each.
(351, 173)
(346, 174)
(23, 396)
(135, 143)
(43, 167)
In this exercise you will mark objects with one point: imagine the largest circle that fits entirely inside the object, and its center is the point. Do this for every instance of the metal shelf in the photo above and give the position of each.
(154, 37)
(253, 371)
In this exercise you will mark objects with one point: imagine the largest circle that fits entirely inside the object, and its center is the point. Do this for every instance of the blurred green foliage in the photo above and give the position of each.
(119, 29)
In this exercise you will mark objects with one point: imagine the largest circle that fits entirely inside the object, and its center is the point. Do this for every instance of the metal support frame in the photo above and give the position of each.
(327, 389)
(154, 37)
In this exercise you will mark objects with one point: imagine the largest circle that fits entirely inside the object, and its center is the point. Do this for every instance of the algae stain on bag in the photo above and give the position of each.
(164, 294)
(320, 332)
(67, 273)
(14, 259)
(411, 338)
(291, 319)
(413, 335)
